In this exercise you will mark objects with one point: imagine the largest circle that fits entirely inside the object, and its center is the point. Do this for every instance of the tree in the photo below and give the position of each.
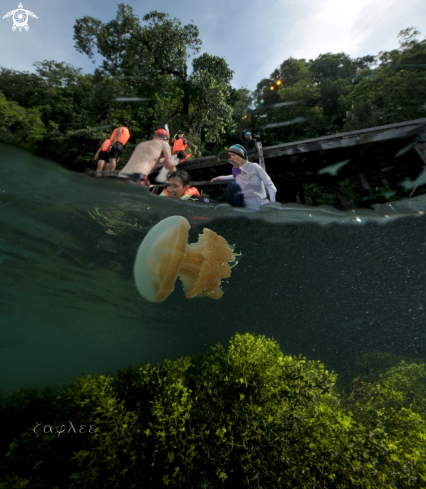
(18, 123)
(215, 65)
(144, 54)
(151, 60)
(395, 91)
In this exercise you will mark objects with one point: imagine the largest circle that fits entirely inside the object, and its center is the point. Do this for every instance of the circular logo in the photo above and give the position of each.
(20, 18)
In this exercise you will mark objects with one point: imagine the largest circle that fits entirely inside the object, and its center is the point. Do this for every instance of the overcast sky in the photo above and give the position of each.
(254, 37)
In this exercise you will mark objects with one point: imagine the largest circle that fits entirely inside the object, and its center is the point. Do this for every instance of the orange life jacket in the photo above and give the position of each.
(106, 144)
(179, 145)
(124, 136)
(191, 191)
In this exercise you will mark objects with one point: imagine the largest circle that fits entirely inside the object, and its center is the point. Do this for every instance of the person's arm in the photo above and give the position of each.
(117, 135)
(98, 152)
(168, 161)
(272, 190)
(223, 177)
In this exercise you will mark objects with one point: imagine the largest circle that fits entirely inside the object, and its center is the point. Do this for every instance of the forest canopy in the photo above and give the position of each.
(145, 77)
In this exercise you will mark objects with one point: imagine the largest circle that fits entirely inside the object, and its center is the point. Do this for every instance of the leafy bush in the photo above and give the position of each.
(18, 124)
(397, 402)
(245, 416)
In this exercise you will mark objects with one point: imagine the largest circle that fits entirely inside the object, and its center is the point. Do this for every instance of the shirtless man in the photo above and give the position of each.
(147, 156)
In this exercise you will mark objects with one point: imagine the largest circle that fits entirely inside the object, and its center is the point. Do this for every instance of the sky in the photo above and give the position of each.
(254, 37)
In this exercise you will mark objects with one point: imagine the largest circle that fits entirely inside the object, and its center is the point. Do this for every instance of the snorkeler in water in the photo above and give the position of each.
(179, 186)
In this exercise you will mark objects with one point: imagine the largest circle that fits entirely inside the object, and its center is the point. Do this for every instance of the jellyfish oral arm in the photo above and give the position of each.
(205, 265)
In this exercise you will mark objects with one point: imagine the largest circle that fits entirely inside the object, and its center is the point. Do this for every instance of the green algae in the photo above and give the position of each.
(244, 416)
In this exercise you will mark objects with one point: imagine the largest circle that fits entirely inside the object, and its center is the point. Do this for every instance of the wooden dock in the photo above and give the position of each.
(367, 156)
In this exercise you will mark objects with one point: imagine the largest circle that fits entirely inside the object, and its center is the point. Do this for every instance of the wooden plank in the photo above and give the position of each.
(198, 163)
(202, 183)
(260, 153)
(420, 147)
(208, 182)
(342, 140)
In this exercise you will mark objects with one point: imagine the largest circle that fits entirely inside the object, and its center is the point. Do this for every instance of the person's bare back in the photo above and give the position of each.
(147, 155)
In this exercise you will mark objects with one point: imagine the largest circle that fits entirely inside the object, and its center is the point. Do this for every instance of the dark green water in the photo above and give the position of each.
(329, 285)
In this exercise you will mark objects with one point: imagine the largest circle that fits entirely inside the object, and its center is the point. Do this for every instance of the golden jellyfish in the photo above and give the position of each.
(165, 254)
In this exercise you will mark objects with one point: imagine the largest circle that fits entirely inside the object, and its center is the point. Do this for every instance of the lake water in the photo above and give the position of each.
(326, 284)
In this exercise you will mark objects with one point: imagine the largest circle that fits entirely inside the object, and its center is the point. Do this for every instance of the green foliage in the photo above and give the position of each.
(317, 194)
(18, 123)
(154, 64)
(147, 52)
(209, 113)
(14, 482)
(397, 402)
(245, 416)
(215, 65)
(335, 93)
(145, 60)
(371, 365)
(78, 111)
(217, 192)
(66, 115)
(393, 92)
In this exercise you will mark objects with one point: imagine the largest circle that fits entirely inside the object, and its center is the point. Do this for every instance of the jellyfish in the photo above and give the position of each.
(165, 254)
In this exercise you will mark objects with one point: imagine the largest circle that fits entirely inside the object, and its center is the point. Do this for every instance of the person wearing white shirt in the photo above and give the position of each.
(252, 179)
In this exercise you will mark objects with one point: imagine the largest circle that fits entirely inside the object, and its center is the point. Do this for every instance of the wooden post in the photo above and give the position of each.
(420, 147)
(260, 151)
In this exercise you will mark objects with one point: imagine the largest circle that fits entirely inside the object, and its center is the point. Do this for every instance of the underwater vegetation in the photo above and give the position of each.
(242, 416)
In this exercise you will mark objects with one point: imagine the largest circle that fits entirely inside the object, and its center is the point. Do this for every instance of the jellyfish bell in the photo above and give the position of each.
(165, 254)
(159, 257)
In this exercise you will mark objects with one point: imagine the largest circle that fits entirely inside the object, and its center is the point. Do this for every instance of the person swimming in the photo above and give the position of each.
(179, 186)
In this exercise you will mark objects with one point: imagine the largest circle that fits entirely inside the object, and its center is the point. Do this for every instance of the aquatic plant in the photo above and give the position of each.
(397, 403)
(245, 416)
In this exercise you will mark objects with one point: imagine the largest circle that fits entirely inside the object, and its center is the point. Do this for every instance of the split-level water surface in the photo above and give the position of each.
(326, 284)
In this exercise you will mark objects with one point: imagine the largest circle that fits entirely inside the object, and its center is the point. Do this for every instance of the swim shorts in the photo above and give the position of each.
(104, 156)
(116, 151)
(140, 178)
(137, 177)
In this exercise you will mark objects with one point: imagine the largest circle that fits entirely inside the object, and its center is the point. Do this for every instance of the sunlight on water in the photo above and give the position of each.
(330, 285)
